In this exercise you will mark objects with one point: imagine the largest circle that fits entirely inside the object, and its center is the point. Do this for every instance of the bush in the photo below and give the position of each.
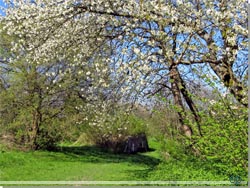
(49, 136)
(187, 169)
(172, 149)
(224, 142)
(19, 133)
(164, 123)
(110, 127)
(19, 129)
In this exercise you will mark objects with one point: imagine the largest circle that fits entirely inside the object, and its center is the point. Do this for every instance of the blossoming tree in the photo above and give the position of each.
(154, 43)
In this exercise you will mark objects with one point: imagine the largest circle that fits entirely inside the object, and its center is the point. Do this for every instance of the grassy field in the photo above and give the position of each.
(74, 163)
(81, 163)
(77, 163)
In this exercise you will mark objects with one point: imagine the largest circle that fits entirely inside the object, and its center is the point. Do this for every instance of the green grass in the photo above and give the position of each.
(77, 163)
(89, 163)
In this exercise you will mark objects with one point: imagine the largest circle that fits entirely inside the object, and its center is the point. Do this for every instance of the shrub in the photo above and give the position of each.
(163, 123)
(109, 127)
(19, 132)
(225, 138)
(49, 135)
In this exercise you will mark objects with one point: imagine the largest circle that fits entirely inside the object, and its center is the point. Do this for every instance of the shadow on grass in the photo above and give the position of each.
(99, 155)
(95, 154)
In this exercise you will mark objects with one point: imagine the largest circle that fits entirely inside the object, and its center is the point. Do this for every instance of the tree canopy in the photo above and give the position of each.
(144, 47)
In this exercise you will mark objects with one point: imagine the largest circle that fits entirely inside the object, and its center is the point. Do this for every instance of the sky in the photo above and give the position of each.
(1, 5)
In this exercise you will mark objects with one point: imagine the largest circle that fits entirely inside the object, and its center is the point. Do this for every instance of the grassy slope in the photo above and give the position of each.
(81, 163)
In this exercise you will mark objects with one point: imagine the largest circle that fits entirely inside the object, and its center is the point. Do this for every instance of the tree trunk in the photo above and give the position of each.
(37, 115)
(175, 86)
(189, 100)
(35, 130)
(226, 75)
(224, 71)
